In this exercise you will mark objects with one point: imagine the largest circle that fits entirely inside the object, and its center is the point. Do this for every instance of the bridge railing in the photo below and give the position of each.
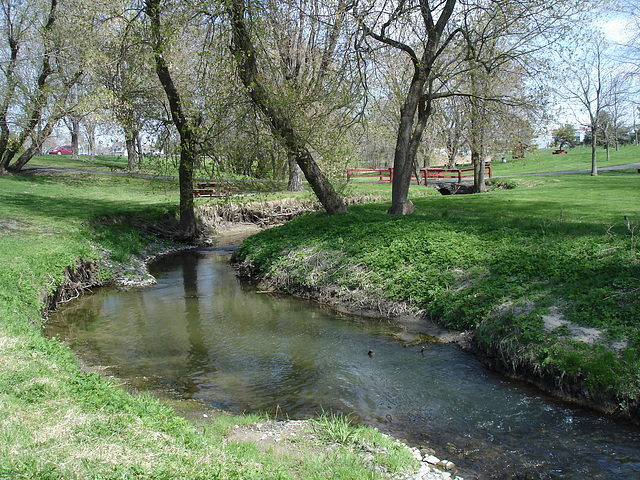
(450, 173)
(386, 174)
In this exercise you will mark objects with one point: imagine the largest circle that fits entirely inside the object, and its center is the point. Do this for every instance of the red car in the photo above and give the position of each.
(63, 150)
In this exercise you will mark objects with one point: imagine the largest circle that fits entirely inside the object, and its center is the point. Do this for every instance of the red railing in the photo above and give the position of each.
(383, 174)
(386, 174)
(450, 173)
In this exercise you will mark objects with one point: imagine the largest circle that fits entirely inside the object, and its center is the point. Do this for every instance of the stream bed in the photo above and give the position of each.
(208, 336)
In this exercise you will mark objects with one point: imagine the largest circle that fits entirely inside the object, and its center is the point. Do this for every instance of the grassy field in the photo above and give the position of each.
(577, 158)
(58, 422)
(539, 161)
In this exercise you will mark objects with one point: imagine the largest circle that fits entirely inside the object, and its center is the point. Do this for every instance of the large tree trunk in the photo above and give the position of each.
(406, 145)
(188, 223)
(453, 153)
(244, 52)
(417, 100)
(130, 136)
(39, 136)
(75, 136)
(477, 152)
(295, 176)
(139, 150)
(478, 160)
(37, 142)
(11, 84)
(90, 129)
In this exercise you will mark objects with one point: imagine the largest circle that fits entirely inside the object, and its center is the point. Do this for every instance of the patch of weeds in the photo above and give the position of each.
(561, 331)
(336, 427)
(120, 238)
(494, 183)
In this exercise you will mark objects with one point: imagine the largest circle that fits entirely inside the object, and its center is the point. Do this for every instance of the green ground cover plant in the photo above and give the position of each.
(494, 263)
(59, 421)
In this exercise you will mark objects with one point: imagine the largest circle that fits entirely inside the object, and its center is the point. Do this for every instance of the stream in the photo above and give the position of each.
(208, 336)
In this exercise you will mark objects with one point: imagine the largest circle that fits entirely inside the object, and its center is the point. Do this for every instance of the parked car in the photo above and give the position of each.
(63, 150)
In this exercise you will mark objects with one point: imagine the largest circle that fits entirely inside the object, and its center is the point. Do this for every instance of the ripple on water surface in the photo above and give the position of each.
(217, 340)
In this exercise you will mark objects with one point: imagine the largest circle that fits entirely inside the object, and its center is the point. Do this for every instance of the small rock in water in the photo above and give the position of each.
(431, 459)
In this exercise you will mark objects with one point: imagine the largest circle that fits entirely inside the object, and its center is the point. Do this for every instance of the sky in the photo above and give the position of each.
(617, 29)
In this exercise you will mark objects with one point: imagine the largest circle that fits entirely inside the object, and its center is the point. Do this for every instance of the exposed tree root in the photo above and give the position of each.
(77, 280)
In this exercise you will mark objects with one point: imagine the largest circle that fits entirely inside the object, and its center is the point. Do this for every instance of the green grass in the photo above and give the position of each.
(57, 421)
(577, 158)
(495, 262)
(475, 261)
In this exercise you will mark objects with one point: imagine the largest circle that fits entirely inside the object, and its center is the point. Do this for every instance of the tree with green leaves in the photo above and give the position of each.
(565, 135)
(44, 39)
(430, 34)
(185, 126)
(260, 91)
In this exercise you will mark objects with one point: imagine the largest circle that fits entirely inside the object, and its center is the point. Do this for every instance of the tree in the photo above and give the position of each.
(256, 85)
(564, 135)
(384, 24)
(15, 28)
(52, 62)
(589, 87)
(38, 100)
(186, 129)
(450, 123)
(426, 33)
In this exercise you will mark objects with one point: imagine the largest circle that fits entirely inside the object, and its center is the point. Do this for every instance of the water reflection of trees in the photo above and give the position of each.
(198, 354)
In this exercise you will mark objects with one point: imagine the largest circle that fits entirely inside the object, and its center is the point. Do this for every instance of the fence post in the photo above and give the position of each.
(391, 174)
(459, 176)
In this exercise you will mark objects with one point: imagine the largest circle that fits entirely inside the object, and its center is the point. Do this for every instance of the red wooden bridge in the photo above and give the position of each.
(433, 174)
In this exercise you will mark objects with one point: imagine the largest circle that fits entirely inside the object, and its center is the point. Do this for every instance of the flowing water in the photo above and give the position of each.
(210, 337)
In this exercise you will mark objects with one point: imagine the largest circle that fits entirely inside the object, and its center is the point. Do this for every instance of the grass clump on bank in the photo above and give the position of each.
(499, 264)
(57, 421)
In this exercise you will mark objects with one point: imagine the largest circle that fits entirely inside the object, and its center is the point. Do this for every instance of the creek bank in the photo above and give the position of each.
(228, 225)
(305, 276)
(275, 435)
